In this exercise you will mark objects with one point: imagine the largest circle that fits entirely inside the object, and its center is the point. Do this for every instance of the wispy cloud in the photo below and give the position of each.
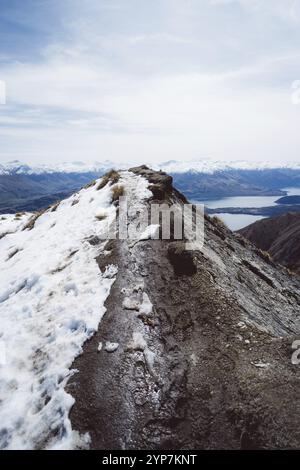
(150, 80)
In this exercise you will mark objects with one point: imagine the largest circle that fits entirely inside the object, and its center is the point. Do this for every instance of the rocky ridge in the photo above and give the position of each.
(203, 345)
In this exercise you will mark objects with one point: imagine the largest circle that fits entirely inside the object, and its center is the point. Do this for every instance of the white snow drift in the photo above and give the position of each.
(52, 296)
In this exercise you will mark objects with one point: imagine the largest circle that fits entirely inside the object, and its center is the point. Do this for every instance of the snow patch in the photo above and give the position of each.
(146, 306)
(194, 359)
(111, 347)
(110, 271)
(10, 223)
(138, 342)
(150, 359)
(130, 304)
(261, 365)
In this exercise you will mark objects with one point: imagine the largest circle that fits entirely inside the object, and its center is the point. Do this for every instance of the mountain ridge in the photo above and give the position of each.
(24, 188)
(212, 327)
(172, 166)
(194, 347)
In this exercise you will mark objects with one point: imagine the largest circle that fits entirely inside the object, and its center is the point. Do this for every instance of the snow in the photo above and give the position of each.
(111, 347)
(138, 342)
(146, 306)
(10, 223)
(17, 167)
(110, 271)
(210, 166)
(52, 296)
(130, 304)
(194, 359)
(261, 365)
(150, 359)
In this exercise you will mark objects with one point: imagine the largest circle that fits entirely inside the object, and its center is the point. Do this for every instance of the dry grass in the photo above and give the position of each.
(291, 272)
(89, 185)
(13, 253)
(117, 192)
(2, 235)
(265, 255)
(31, 223)
(112, 177)
(241, 240)
(72, 254)
(216, 220)
(59, 269)
(54, 207)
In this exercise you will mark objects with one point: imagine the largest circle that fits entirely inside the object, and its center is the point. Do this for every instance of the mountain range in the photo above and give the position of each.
(172, 166)
(24, 187)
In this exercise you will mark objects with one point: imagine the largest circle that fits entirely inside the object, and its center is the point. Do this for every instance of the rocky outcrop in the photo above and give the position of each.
(161, 184)
(204, 346)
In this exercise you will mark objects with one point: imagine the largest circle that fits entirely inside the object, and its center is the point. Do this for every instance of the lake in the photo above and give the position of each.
(238, 221)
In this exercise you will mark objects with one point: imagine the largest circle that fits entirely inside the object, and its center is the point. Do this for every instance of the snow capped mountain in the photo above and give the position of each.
(19, 168)
(207, 166)
(210, 166)
(52, 296)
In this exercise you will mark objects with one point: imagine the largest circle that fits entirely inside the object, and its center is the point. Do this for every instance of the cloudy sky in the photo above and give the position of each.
(149, 80)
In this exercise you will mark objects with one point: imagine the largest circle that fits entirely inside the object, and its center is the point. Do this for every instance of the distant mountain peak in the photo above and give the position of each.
(203, 165)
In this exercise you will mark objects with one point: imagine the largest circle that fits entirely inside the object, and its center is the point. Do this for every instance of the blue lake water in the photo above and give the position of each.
(238, 221)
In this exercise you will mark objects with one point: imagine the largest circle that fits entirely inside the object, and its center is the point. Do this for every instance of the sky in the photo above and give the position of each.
(140, 80)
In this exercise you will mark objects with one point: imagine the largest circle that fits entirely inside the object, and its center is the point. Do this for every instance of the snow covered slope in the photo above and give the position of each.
(52, 296)
(210, 166)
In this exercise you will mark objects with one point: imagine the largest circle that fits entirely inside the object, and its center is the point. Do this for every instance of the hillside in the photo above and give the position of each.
(280, 236)
(142, 344)
(289, 200)
(30, 192)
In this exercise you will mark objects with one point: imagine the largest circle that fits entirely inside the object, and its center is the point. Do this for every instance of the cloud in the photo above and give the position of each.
(285, 9)
(171, 80)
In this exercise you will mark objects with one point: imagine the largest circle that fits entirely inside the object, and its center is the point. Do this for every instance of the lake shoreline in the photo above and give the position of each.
(240, 211)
